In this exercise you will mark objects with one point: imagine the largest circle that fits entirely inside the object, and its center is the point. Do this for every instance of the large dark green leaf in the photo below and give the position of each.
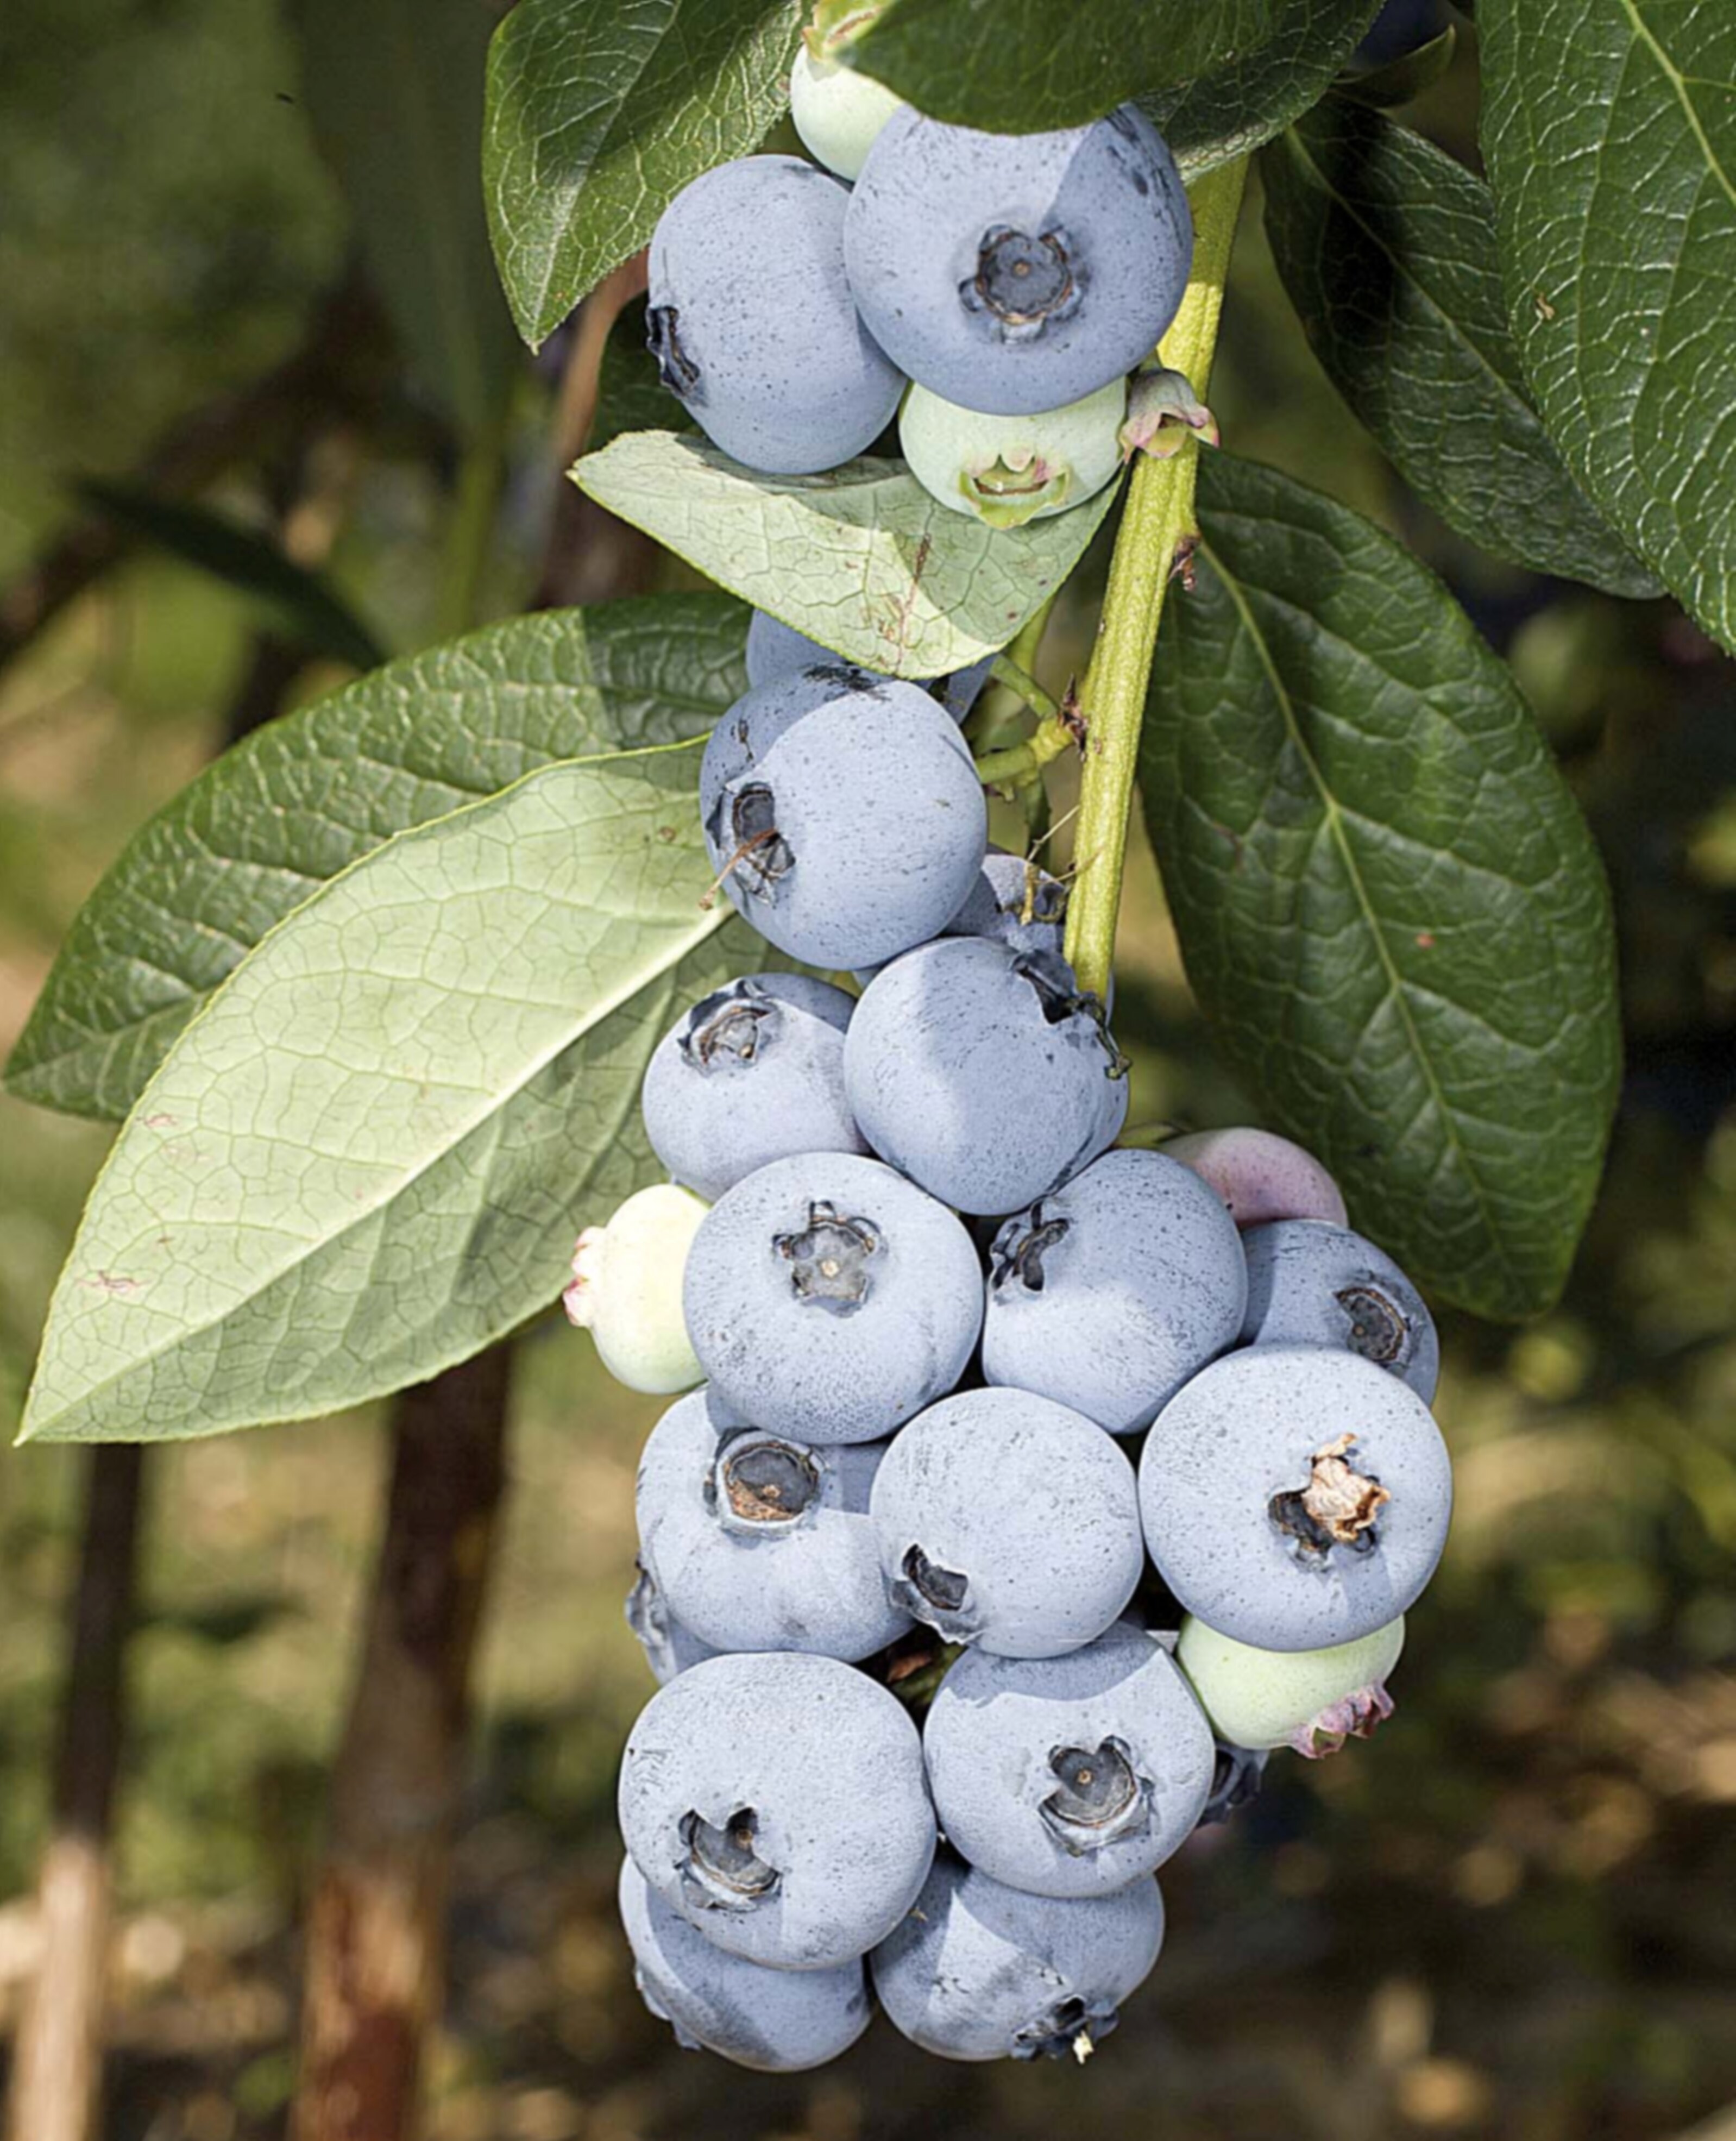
(860, 558)
(297, 604)
(394, 88)
(1231, 110)
(1389, 905)
(1388, 249)
(599, 111)
(280, 814)
(1610, 127)
(370, 1154)
(1018, 67)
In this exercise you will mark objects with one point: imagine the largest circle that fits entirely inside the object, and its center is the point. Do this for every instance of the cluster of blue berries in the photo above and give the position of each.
(994, 291)
(1128, 1450)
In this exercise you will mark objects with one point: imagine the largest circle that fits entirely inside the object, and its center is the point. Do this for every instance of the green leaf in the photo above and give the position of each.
(599, 111)
(274, 818)
(1402, 80)
(1230, 112)
(1019, 66)
(1388, 249)
(1609, 130)
(369, 1155)
(394, 89)
(1389, 906)
(297, 604)
(630, 395)
(862, 560)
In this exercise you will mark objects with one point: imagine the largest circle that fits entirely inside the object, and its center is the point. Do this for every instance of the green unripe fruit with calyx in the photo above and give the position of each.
(1311, 1700)
(626, 1289)
(1006, 470)
(838, 112)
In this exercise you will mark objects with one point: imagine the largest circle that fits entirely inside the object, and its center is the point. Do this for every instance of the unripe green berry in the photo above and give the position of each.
(1311, 1700)
(838, 112)
(626, 1289)
(1008, 469)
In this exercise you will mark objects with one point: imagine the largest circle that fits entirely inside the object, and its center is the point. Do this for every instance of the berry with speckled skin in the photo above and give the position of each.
(626, 1289)
(979, 1970)
(777, 1802)
(761, 1542)
(1068, 1776)
(842, 815)
(981, 1073)
(776, 2021)
(1015, 273)
(1006, 1521)
(1111, 1292)
(1260, 1176)
(1311, 1700)
(752, 1073)
(669, 1648)
(1294, 1498)
(752, 322)
(829, 1299)
(1311, 1284)
(775, 650)
(1007, 470)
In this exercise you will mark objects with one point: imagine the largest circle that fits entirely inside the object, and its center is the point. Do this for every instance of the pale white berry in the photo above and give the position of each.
(626, 1289)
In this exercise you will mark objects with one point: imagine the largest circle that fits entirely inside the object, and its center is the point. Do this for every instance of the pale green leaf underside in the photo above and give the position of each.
(371, 1153)
(1609, 129)
(1388, 249)
(1389, 906)
(599, 111)
(1231, 110)
(274, 818)
(862, 560)
(1018, 67)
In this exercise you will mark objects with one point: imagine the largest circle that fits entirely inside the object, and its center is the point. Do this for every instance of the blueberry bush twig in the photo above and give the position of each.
(1158, 517)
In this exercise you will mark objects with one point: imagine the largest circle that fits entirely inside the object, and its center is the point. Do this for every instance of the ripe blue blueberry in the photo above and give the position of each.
(777, 1803)
(1115, 1290)
(751, 1074)
(669, 1647)
(1237, 1774)
(1260, 1176)
(751, 320)
(1006, 1521)
(981, 1072)
(1311, 1284)
(1016, 272)
(761, 1542)
(777, 2021)
(1295, 1498)
(842, 815)
(1068, 1776)
(1012, 902)
(829, 1299)
(979, 1970)
(775, 649)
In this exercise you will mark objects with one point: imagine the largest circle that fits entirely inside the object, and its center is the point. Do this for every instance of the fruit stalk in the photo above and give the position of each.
(1158, 517)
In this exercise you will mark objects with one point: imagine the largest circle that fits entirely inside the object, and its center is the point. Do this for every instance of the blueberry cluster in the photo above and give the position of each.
(993, 292)
(1124, 1457)
(1113, 1467)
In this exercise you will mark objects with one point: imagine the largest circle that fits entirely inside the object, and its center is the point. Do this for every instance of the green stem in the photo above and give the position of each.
(470, 526)
(1158, 516)
(998, 706)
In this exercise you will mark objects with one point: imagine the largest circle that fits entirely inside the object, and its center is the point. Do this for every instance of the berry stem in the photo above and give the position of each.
(1157, 518)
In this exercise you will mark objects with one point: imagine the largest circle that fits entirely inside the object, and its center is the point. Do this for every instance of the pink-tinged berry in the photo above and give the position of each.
(1260, 1176)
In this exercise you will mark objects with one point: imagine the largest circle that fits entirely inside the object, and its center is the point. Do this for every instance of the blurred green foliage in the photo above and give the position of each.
(1510, 1916)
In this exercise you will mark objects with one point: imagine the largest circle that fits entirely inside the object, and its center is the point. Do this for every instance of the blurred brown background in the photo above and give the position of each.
(1512, 1914)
